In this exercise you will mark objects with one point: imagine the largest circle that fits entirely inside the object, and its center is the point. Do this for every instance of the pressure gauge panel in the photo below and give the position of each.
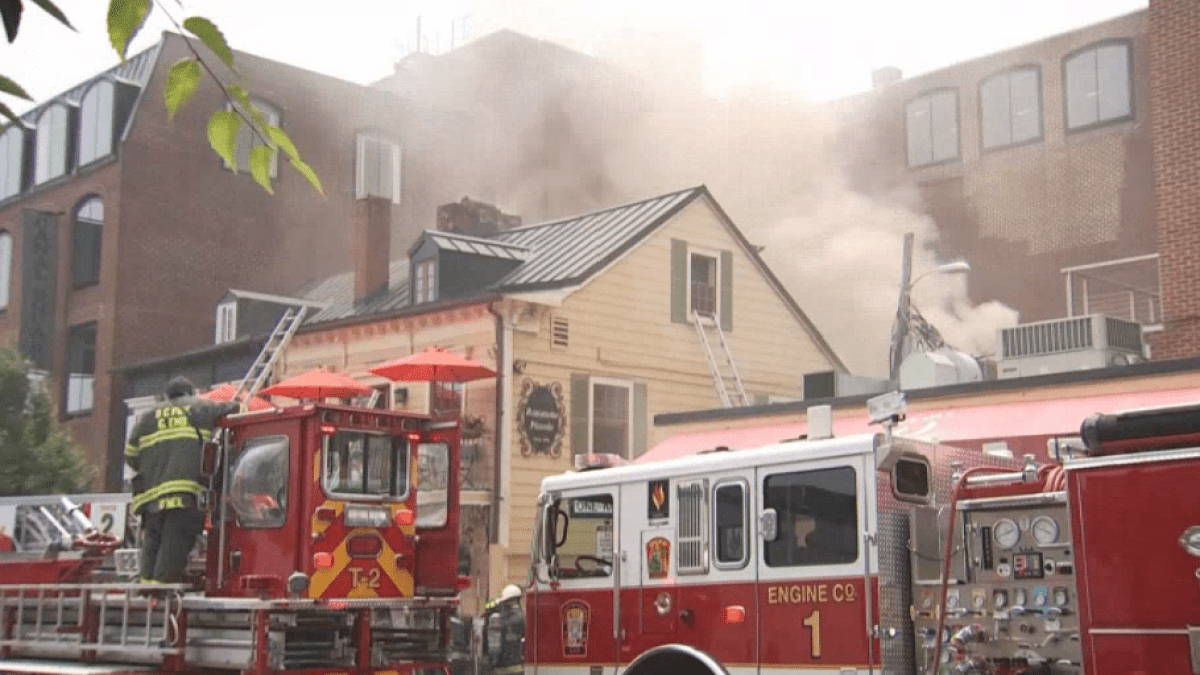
(1006, 533)
(1045, 530)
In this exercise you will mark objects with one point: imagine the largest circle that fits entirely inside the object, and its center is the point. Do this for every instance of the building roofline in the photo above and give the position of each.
(1147, 369)
(250, 344)
(406, 311)
(279, 299)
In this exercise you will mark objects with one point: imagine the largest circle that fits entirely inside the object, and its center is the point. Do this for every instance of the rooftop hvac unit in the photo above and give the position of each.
(1074, 343)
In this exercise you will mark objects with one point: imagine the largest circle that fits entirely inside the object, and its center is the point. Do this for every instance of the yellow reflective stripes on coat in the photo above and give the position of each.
(167, 488)
(186, 433)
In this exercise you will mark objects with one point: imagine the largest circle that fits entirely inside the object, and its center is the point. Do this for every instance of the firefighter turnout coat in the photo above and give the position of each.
(166, 449)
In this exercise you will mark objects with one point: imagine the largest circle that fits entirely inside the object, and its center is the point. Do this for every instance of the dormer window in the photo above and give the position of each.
(226, 322)
(96, 123)
(51, 159)
(424, 281)
(12, 161)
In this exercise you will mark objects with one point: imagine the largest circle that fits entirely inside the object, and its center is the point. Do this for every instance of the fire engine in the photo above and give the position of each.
(876, 553)
(331, 547)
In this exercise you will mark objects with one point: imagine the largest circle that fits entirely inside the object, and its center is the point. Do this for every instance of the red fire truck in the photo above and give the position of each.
(875, 553)
(331, 547)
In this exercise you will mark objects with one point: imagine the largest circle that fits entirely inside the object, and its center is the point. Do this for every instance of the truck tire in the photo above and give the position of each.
(675, 660)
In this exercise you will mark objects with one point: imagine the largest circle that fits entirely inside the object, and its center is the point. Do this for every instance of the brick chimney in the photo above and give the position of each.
(1174, 32)
(885, 76)
(476, 219)
(372, 245)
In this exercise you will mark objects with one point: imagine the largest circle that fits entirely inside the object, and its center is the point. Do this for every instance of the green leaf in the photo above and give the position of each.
(125, 19)
(307, 172)
(181, 82)
(13, 89)
(239, 94)
(223, 128)
(7, 112)
(260, 166)
(211, 36)
(11, 11)
(281, 140)
(54, 11)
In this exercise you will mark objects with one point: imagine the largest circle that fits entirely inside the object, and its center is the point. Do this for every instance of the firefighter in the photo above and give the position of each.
(166, 450)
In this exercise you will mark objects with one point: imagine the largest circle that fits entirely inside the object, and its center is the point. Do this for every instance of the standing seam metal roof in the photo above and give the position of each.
(451, 241)
(570, 250)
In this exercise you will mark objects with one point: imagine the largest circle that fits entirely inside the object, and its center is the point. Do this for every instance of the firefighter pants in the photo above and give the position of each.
(167, 540)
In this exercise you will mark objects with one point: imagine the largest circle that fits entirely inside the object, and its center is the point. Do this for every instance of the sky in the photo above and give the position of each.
(822, 49)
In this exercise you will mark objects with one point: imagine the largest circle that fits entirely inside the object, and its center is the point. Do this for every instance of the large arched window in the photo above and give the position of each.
(88, 233)
(12, 164)
(96, 122)
(1099, 85)
(6, 247)
(51, 159)
(932, 125)
(1011, 107)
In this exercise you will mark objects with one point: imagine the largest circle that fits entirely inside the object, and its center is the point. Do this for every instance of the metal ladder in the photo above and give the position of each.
(729, 386)
(260, 370)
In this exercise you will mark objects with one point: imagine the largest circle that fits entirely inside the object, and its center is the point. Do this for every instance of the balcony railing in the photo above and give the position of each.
(1127, 288)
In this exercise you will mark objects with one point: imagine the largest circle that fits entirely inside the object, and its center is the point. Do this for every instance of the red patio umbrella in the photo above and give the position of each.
(433, 365)
(318, 383)
(225, 392)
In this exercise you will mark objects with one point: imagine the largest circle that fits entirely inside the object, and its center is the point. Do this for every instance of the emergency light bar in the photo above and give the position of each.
(588, 461)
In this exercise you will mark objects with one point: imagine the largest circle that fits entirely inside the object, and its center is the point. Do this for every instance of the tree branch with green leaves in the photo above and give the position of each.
(125, 19)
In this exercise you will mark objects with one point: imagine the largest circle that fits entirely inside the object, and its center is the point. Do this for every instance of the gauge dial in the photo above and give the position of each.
(1045, 530)
(1060, 597)
(952, 598)
(1020, 597)
(1006, 533)
(1000, 599)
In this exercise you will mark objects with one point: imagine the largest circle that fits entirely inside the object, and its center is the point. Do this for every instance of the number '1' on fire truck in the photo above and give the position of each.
(877, 554)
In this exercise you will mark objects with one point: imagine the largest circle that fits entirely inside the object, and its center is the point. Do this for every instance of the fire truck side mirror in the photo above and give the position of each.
(768, 524)
(208, 463)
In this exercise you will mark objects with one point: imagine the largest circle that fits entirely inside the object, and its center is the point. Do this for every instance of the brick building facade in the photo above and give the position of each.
(121, 230)
(1032, 161)
(1175, 84)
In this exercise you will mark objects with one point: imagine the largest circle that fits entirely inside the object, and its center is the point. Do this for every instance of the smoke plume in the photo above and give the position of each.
(588, 135)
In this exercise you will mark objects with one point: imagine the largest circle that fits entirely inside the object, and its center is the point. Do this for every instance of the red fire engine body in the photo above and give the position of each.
(834, 555)
(324, 553)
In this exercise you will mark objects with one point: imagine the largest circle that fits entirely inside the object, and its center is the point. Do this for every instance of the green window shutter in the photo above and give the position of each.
(639, 420)
(726, 291)
(580, 403)
(679, 281)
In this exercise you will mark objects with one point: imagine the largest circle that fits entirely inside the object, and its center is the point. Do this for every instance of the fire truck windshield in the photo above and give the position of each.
(582, 534)
(360, 464)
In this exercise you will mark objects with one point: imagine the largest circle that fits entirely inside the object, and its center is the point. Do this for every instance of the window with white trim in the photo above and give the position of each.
(226, 323)
(51, 156)
(81, 369)
(96, 122)
(12, 161)
(1099, 87)
(932, 124)
(703, 283)
(6, 248)
(425, 282)
(377, 172)
(248, 138)
(611, 417)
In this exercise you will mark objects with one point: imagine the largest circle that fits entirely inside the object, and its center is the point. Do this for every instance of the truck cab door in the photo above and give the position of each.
(574, 620)
(812, 594)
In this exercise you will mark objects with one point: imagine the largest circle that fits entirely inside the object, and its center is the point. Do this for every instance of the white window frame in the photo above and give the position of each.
(611, 382)
(86, 105)
(42, 171)
(360, 177)
(226, 328)
(272, 116)
(6, 259)
(425, 287)
(708, 253)
(12, 155)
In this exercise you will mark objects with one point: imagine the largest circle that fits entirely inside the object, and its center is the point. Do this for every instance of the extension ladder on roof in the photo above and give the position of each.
(724, 371)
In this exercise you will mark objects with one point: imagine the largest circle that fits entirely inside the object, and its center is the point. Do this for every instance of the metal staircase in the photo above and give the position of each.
(724, 371)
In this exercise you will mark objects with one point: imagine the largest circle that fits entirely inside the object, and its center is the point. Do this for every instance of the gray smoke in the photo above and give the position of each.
(586, 135)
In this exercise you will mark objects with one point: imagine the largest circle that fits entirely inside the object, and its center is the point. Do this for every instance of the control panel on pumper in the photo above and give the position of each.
(1011, 604)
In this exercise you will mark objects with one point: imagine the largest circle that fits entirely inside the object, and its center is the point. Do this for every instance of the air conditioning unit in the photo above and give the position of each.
(1063, 345)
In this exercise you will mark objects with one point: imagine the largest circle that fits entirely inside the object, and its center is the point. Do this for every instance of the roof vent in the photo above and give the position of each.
(1074, 343)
